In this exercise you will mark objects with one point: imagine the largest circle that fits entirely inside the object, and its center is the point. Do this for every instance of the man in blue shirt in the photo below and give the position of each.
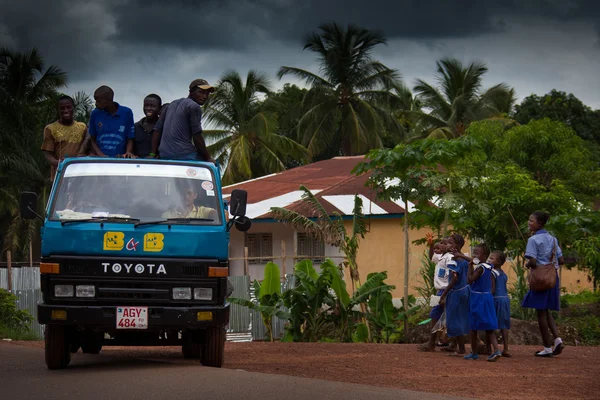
(178, 132)
(111, 126)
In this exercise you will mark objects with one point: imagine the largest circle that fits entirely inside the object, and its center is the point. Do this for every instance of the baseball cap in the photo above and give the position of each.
(202, 84)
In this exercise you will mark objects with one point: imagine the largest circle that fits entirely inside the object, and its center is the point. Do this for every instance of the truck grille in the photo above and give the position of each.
(112, 291)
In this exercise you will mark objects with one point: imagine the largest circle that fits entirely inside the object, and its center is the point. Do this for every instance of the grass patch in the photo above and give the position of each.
(585, 297)
(17, 334)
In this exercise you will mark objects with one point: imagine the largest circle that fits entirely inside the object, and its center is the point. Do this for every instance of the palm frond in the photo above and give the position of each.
(307, 76)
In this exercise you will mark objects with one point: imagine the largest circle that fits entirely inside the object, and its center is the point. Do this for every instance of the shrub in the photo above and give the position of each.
(11, 318)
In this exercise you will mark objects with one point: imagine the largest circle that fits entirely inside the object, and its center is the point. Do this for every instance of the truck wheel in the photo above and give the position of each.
(57, 349)
(192, 345)
(213, 349)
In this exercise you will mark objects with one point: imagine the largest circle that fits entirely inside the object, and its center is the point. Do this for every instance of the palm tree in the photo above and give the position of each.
(26, 87)
(458, 99)
(321, 226)
(341, 116)
(247, 143)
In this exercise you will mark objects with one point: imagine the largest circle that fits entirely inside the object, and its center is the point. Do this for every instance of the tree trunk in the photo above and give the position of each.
(446, 209)
(406, 260)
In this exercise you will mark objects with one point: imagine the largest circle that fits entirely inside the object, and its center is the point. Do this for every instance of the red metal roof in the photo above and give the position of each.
(331, 177)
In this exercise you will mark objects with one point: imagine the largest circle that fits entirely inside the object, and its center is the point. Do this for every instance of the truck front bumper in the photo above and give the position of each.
(158, 317)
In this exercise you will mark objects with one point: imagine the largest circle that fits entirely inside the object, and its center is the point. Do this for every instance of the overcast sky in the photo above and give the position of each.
(139, 47)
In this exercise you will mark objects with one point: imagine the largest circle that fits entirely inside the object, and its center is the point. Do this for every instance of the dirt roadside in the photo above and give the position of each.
(573, 374)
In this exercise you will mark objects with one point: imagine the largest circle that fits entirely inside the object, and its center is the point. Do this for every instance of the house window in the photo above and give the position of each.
(259, 245)
(310, 248)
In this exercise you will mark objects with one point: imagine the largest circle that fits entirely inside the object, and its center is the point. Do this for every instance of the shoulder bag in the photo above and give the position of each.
(543, 277)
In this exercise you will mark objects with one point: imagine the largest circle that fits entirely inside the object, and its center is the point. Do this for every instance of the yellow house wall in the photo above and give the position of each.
(382, 249)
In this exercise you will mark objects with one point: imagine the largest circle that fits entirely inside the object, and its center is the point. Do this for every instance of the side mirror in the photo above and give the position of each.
(237, 202)
(243, 224)
(28, 205)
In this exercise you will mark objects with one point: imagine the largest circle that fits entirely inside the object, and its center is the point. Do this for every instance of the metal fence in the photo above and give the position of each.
(28, 299)
(244, 325)
(23, 278)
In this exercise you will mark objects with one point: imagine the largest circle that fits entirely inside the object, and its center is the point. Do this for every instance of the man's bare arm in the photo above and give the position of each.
(201, 148)
(96, 148)
(50, 158)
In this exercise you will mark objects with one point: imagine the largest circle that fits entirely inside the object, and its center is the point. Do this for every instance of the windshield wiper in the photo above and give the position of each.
(99, 219)
(181, 219)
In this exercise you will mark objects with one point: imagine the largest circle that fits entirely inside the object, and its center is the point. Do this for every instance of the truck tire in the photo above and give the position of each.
(213, 349)
(192, 345)
(57, 349)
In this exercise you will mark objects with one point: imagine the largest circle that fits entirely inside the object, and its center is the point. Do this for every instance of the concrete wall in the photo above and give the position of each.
(280, 233)
(382, 249)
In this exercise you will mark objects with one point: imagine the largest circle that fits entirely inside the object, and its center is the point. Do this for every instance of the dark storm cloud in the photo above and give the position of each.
(138, 47)
(85, 37)
(73, 36)
(239, 23)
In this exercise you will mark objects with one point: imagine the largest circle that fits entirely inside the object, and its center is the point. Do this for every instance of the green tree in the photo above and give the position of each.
(459, 100)
(26, 88)
(411, 172)
(286, 105)
(563, 107)
(341, 114)
(247, 143)
(551, 150)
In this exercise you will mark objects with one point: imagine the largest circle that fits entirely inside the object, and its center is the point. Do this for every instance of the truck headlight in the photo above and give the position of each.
(182, 293)
(85, 291)
(202, 293)
(63, 290)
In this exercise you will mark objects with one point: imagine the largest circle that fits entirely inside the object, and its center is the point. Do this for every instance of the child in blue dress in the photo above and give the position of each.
(456, 295)
(501, 299)
(482, 314)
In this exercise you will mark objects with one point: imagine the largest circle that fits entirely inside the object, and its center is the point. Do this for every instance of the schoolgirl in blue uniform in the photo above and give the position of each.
(482, 314)
(542, 248)
(456, 295)
(501, 299)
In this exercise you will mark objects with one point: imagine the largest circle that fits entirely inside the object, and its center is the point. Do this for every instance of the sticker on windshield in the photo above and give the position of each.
(154, 242)
(114, 241)
(207, 185)
(210, 193)
(191, 172)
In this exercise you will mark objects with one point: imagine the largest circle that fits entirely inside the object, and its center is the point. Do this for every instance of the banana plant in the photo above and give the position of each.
(268, 298)
(321, 298)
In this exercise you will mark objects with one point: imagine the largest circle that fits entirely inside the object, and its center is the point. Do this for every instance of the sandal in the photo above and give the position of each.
(507, 355)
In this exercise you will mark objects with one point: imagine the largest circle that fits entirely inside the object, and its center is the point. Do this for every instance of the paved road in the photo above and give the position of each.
(23, 375)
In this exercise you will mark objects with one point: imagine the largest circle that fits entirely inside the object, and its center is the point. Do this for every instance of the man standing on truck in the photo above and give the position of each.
(178, 133)
(65, 137)
(111, 126)
(145, 126)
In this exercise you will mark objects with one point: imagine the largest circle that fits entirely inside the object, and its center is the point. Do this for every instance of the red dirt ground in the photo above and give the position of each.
(572, 375)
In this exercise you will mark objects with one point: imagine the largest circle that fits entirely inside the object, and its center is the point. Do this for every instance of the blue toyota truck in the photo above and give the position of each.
(135, 253)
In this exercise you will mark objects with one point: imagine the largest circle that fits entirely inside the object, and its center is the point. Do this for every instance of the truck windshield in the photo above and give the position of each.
(137, 191)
